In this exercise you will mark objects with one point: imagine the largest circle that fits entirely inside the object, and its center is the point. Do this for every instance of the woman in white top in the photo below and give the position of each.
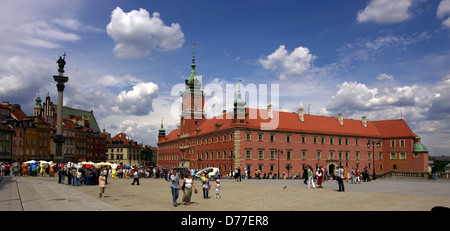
(188, 183)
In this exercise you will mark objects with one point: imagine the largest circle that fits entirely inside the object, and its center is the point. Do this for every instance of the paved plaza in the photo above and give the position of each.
(394, 194)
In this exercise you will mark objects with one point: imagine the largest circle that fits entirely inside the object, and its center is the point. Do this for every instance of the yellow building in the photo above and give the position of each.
(36, 139)
(122, 150)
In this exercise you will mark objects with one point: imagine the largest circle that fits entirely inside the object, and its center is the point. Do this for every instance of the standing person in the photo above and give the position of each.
(94, 177)
(217, 188)
(187, 192)
(69, 176)
(310, 177)
(78, 178)
(135, 177)
(340, 176)
(352, 172)
(105, 173)
(101, 184)
(357, 176)
(175, 187)
(73, 174)
(88, 177)
(320, 176)
(60, 176)
(205, 186)
(192, 173)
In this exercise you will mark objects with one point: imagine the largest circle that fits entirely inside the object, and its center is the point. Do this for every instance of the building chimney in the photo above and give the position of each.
(341, 119)
(300, 115)
(269, 111)
(364, 121)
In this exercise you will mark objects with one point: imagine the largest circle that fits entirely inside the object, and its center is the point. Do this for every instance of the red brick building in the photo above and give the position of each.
(284, 142)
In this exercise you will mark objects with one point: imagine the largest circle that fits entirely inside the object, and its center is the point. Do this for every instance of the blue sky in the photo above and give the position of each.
(376, 58)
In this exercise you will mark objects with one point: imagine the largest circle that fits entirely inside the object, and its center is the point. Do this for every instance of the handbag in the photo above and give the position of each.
(182, 186)
(195, 191)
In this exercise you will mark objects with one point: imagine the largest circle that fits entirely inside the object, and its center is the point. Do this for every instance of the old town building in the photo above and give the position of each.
(123, 150)
(31, 136)
(279, 143)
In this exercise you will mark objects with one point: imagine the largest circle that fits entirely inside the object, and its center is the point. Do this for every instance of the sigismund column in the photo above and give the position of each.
(60, 79)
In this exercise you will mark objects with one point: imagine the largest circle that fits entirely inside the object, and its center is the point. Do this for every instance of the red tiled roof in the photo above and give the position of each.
(394, 128)
(289, 121)
(123, 137)
(17, 113)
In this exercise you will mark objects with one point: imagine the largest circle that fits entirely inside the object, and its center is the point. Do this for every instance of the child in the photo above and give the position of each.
(217, 188)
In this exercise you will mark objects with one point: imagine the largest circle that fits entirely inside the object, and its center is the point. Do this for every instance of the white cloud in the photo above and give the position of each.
(353, 97)
(136, 33)
(22, 77)
(384, 76)
(295, 63)
(137, 101)
(394, 41)
(386, 11)
(444, 11)
(440, 106)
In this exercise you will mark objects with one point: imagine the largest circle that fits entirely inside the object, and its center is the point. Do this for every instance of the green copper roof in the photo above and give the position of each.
(68, 111)
(38, 102)
(162, 127)
(418, 147)
(193, 81)
(239, 102)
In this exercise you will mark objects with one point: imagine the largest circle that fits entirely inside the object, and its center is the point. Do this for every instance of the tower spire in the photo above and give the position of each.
(239, 89)
(162, 131)
(193, 57)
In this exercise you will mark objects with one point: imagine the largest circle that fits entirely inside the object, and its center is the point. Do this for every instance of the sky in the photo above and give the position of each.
(127, 60)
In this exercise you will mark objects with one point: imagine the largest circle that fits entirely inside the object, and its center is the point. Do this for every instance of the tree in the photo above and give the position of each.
(147, 154)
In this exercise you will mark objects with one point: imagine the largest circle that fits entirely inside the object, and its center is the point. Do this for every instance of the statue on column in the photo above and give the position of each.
(61, 62)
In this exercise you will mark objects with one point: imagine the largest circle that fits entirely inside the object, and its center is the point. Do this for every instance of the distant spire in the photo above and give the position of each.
(239, 89)
(162, 131)
(193, 57)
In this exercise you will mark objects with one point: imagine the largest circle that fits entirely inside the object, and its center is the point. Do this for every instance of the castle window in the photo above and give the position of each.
(261, 154)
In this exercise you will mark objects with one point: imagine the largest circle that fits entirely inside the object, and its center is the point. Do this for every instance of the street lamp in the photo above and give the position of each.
(373, 153)
(279, 152)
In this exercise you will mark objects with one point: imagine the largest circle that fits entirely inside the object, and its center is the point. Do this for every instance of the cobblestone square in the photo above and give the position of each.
(45, 194)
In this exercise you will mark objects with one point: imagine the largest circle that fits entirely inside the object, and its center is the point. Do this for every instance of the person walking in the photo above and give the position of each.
(340, 180)
(101, 184)
(310, 177)
(175, 187)
(305, 175)
(188, 184)
(136, 177)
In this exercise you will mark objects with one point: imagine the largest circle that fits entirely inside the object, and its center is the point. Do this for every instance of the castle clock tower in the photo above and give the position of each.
(193, 101)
